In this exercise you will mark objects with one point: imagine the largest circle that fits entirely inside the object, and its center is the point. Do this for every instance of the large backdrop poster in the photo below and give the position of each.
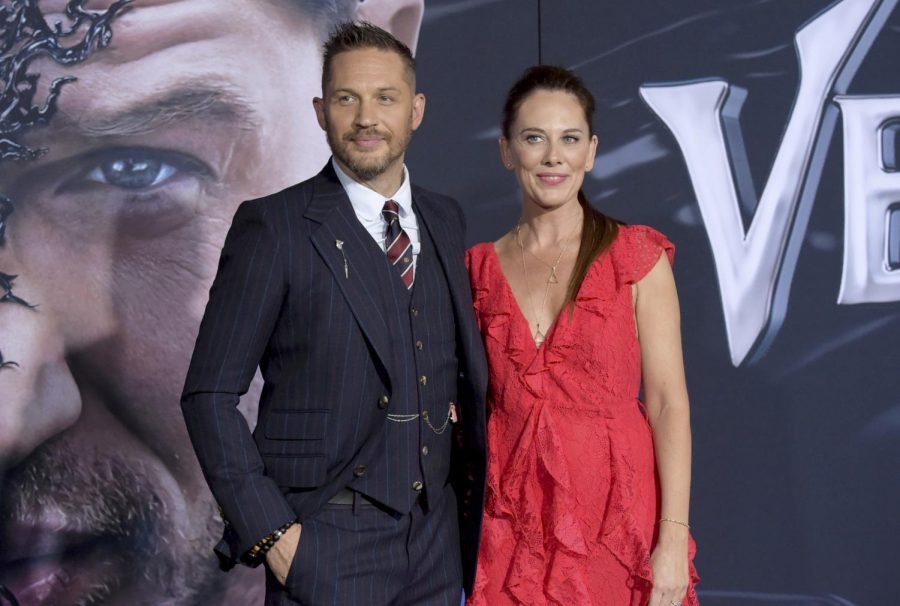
(760, 135)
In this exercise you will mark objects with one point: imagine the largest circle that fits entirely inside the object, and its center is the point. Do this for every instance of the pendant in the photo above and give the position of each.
(552, 279)
(539, 335)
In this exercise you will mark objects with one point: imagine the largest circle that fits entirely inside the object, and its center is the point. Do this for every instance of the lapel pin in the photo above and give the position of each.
(339, 244)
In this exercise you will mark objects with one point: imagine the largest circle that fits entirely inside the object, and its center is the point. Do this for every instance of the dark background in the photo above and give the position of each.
(796, 495)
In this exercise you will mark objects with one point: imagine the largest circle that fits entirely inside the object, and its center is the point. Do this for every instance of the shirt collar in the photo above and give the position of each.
(367, 202)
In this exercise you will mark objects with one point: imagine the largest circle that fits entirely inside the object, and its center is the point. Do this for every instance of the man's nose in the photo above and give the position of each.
(366, 115)
(38, 395)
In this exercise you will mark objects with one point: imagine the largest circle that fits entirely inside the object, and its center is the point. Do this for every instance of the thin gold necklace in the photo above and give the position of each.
(540, 335)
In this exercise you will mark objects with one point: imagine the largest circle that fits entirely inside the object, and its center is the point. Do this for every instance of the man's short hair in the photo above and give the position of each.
(360, 35)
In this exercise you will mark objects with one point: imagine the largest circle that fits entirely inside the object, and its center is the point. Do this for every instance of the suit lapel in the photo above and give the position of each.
(359, 267)
(448, 252)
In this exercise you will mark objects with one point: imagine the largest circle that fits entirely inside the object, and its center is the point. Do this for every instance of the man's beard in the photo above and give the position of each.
(115, 500)
(363, 167)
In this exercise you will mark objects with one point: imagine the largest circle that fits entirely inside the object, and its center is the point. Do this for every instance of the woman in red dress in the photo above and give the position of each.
(588, 488)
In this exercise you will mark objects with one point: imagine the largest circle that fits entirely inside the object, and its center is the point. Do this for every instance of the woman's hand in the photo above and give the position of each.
(671, 574)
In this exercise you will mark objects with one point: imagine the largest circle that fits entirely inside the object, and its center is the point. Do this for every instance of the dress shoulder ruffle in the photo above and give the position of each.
(636, 250)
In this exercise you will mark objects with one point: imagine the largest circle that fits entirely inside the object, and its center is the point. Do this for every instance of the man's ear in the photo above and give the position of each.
(400, 17)
(319, 107)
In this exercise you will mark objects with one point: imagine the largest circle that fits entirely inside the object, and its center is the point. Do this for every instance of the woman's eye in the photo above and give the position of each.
(570, 139)
(136, 171)
(533, 138)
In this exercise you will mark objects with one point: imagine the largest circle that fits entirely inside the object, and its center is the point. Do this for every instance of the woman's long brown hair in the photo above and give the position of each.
(598, 231)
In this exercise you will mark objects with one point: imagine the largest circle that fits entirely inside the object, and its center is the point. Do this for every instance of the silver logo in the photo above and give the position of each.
(755, 266)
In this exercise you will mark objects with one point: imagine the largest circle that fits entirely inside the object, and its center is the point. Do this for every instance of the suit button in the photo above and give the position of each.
(414, 312)
(383, 402)
(424, 450)
(423, 380)
(417, 485)
(419, 345)
(359, 471)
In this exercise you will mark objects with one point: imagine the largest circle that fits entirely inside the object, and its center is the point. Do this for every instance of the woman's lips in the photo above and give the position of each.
(552, 178)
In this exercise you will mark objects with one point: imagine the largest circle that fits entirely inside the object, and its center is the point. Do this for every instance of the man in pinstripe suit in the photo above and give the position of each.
(363, 481)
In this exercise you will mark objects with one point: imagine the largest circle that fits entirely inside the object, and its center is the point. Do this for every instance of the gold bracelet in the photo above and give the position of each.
(685, 524)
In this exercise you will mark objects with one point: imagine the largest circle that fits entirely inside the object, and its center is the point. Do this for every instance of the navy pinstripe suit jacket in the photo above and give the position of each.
(299, 293)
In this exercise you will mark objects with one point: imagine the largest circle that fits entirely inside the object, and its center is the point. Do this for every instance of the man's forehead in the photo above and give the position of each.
(55, 10)
(170, 60)
(147, 27)
(158, 43)
(52, 8)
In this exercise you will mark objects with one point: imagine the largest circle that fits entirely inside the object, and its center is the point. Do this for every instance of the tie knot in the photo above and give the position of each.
(390, 211)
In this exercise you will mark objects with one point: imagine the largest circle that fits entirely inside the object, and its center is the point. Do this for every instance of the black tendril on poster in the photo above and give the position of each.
(25, 35)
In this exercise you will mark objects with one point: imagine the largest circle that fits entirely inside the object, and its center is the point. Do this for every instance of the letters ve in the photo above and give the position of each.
(755, 267)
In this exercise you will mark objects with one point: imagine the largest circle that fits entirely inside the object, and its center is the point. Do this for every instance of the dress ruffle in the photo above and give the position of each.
(636, 251)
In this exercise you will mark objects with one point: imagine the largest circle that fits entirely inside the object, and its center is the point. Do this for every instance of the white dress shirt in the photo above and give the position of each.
(368, 204)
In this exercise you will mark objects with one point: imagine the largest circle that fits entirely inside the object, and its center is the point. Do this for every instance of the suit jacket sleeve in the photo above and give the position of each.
(244, 303)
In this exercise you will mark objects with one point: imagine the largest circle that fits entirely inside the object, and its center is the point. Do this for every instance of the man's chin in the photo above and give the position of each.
(366, 165)
(366, 169)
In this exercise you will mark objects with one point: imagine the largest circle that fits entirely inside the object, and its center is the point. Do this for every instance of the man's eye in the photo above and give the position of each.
(134, 171)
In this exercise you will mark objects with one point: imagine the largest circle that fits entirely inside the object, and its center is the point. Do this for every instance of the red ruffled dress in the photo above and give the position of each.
(572, 494)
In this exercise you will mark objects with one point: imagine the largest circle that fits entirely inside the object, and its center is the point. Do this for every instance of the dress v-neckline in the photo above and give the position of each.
(518, 308)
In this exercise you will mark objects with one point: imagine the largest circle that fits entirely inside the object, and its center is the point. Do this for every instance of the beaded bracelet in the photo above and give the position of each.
(685, 524)
(258, 551)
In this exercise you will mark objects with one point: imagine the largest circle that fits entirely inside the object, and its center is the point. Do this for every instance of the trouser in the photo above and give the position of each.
(365, 554)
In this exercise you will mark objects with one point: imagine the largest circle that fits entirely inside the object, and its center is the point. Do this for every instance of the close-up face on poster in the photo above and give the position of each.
(762, 137)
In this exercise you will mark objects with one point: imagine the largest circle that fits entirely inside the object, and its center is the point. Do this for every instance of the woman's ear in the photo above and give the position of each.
(505, 153)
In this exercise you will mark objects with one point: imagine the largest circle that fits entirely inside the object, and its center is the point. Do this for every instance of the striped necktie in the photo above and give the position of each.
(397, 244)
